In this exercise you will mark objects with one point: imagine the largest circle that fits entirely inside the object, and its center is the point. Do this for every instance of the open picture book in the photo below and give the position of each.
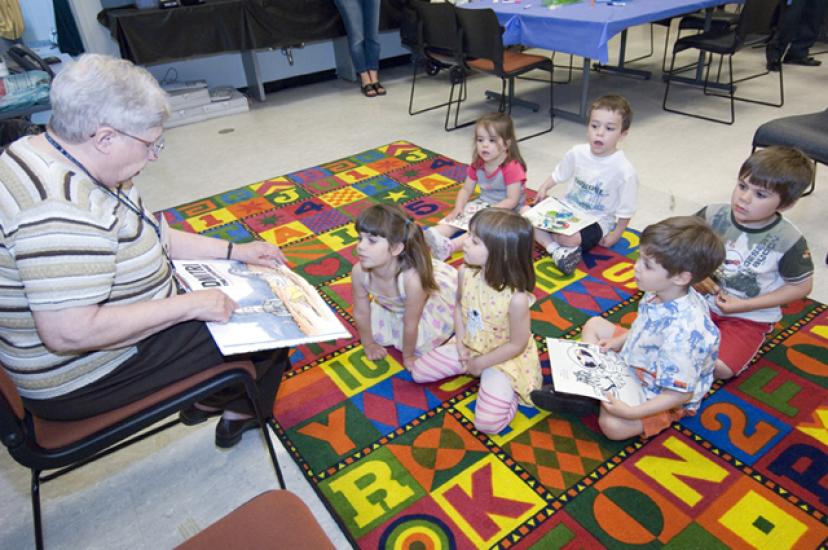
(462, 221)
(583, 369)
(553, 215)
(277, 307)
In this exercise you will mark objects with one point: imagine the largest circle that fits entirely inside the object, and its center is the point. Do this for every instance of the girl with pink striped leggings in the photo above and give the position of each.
(492, 324)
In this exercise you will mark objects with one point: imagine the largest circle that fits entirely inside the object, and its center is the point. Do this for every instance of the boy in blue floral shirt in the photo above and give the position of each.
(672, 344)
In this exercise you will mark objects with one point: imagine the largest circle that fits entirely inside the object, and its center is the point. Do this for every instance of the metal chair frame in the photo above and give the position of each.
(18, 435)
(755, 26)
(482, 39)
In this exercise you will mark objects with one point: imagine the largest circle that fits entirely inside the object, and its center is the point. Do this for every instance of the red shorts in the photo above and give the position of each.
(658, 422)
(740, 340)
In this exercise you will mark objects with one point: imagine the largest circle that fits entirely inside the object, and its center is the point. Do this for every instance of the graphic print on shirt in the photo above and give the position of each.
(587, 196)
(743, 261)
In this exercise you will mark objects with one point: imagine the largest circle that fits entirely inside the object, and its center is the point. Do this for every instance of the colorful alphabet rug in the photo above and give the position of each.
(400, 465)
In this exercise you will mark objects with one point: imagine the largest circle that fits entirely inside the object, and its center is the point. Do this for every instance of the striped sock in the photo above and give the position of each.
(437, 364)
(492, 414)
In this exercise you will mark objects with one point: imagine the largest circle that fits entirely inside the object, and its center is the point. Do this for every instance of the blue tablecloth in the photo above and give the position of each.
(582, 29)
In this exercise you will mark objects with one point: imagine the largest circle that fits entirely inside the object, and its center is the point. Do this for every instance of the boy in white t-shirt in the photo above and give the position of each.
(602, 182)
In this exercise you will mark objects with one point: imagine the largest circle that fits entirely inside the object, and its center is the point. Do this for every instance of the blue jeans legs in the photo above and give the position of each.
(361, 18)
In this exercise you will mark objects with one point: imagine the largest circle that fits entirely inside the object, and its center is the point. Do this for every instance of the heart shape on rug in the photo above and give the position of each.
(328, 266)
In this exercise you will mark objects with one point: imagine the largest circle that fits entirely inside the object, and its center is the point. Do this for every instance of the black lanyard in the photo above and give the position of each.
(119, 196)
(122, 199)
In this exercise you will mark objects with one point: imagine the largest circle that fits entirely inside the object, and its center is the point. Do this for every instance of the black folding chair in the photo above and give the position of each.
(756, 25)
(64, 446)
(435, 45)
(483, 51)
(808, 133)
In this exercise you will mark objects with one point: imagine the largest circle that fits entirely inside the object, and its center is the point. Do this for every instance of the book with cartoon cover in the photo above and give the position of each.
(583, 369)
(462, 220)
(553, 215)
(277, 307)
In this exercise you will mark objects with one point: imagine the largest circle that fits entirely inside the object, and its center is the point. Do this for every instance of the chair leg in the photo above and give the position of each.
(458, 78)
(731, 89)
(666, 44)
(416, 64)
(411, 110)
(551, 106)
(252, 394)
(811, 187)
(38, 526)
(646, 55)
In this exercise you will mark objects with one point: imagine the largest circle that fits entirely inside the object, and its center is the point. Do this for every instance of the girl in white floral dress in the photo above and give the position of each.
(402, 298)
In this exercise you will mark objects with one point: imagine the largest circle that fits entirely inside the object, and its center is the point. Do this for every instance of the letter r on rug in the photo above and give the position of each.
(371, 490)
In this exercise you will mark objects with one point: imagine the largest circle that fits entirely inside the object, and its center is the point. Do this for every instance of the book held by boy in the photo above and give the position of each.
(462, 220)
(277, 307)
(553, 215)
(583, 369)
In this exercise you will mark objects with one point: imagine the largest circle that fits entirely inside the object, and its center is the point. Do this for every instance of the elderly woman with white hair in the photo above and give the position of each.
(90, 318)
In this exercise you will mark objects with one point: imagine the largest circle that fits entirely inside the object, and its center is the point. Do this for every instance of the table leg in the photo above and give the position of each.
(620, 69)
(582, 114)
(255, 86)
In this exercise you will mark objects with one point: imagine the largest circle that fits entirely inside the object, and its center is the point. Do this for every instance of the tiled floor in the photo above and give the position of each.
(160, 491)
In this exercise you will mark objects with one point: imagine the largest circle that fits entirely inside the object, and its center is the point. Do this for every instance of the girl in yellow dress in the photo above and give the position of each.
(492, 324)
(402, 297)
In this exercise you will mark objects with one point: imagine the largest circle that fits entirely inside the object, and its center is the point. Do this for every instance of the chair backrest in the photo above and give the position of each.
(439, 26)
(758, 20)
(482, 36)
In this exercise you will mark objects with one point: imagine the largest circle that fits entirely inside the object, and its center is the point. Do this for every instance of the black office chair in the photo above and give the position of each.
(720, 19)
(40, 444)
(435, 46)
(483, 51)
(756, 25)
(808, 133)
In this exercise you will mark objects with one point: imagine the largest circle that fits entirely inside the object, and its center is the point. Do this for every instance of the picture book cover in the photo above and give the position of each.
(583, 369)
(463, 219)
(277, 307)
(553, 215)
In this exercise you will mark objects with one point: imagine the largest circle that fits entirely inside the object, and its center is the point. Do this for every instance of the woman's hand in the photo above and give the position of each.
(210, 305)
(258, 253)
(374, 351)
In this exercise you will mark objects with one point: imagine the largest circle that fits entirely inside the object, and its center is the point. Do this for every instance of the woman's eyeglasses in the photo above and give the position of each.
(155, 146)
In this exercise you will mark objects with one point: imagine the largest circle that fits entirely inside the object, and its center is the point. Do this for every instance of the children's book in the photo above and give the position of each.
(552, 215)
(462, 220)
(277, 307)
(583, 369)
